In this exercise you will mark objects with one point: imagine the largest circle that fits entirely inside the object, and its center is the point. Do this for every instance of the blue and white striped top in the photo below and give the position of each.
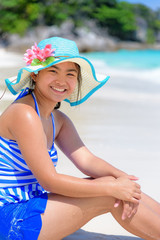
(17, 183)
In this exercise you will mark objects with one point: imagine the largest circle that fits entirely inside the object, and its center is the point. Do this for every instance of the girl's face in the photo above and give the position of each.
(57, 81)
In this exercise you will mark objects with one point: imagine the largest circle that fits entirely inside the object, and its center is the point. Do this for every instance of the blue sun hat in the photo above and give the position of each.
(52, 51)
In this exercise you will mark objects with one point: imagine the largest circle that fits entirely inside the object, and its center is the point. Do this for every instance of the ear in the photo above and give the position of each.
(33, 76)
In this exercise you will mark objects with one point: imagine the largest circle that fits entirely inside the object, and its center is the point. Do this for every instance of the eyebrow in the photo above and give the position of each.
(68, 70)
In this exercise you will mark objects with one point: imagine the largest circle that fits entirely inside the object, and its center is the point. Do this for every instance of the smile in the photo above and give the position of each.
(59, 89)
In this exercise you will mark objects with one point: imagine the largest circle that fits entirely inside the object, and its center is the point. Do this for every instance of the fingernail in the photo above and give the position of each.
(116, 205)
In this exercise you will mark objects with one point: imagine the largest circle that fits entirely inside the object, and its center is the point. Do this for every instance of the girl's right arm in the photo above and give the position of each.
(26, 128)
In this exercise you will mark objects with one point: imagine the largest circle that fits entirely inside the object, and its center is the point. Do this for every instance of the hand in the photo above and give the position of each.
(129, 209)
(126, 190)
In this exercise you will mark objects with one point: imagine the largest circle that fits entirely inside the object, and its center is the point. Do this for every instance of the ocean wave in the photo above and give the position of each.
(151, 75)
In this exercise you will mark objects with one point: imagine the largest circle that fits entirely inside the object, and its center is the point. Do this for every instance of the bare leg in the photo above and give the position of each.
(155, 206)
(64, 216)
(146, 222)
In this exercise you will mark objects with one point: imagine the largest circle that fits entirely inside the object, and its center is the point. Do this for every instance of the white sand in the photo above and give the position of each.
(120, 123)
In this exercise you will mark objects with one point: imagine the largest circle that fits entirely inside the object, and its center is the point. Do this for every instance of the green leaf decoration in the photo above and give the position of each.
(36, 62)
(48, 61)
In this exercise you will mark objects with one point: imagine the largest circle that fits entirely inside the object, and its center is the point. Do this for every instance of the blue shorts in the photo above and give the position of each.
(22, 221)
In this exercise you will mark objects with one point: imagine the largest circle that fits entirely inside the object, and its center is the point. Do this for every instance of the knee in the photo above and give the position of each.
(107, 204)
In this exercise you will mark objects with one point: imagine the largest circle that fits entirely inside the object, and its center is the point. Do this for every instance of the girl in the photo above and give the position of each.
(36, 202)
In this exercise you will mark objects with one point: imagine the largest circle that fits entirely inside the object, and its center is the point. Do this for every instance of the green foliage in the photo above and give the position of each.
(17, 16)
(120, 19)
(150, 36)
(157, 24)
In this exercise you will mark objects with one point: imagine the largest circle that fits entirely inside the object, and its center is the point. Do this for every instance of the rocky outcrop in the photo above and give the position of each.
(88, 38)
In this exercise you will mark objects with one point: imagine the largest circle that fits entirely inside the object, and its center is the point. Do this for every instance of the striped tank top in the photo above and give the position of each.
(17, 182)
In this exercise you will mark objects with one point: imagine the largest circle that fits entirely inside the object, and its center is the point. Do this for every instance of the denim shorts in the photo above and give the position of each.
(22, 221)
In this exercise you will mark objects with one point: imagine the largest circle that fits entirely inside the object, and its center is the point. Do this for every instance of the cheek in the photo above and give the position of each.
(74, 83)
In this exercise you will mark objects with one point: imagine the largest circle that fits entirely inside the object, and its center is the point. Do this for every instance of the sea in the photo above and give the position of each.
(129, 59)
(140, 64)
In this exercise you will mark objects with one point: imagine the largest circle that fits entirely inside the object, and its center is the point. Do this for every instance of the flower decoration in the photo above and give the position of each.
(36, 56)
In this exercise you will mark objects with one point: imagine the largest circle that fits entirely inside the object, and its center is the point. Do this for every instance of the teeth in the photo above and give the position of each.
(58, 89)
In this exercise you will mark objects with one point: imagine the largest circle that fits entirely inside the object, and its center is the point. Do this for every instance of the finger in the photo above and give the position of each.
(133, 178)
(138, 186)
(134, 210)
(137, 196)
(127, 209)
(131, 207)
(134, 200)
(117, 203)
(138, 190)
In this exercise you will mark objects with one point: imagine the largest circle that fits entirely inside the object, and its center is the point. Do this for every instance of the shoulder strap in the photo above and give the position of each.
(54, 129)
(23, 93)
(36, 104)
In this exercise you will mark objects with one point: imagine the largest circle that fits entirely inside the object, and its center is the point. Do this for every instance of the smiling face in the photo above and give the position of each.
(58, 81)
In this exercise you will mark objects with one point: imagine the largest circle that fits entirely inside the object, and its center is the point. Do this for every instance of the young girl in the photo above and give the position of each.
(36, 202)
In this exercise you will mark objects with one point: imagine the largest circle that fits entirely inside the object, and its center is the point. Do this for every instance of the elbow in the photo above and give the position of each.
(50, 182)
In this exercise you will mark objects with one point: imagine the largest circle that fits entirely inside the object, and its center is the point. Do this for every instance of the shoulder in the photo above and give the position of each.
(21, 111)
(20, 117)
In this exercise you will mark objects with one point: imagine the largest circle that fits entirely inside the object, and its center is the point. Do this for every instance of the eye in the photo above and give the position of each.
(54, 71)
(72, 74)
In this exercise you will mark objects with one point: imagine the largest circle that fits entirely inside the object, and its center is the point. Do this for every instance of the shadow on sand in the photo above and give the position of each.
(83, 235)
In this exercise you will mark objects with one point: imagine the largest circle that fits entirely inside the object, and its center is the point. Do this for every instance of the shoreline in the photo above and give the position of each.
(111, 46)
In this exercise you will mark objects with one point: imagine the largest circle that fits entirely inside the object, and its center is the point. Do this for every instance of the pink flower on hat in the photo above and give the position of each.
(36, 56)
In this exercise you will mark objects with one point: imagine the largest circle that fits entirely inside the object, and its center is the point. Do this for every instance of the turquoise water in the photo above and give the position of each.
(136, 59)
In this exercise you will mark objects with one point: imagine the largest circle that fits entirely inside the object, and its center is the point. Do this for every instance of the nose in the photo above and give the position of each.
(60, 80)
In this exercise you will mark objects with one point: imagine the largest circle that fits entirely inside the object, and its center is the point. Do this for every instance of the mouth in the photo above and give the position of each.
(60, 90)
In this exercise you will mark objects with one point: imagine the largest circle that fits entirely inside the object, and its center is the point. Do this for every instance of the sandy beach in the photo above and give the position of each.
(119, 123)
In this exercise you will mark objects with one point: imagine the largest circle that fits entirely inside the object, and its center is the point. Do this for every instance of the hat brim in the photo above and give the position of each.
(89, 84)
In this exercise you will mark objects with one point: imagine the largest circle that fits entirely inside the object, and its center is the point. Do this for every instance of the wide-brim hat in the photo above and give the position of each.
(64, 50)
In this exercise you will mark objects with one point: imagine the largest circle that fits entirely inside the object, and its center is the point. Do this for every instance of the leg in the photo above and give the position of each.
(65, 215)
(155, 206)
(146, 222)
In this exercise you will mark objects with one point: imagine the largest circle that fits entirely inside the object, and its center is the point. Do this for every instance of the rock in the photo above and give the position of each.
(90, 37)
(141, 32)
(90, 41)
(86, 39)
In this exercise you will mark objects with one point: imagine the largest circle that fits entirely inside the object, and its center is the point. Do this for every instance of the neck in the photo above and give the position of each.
(45, 106)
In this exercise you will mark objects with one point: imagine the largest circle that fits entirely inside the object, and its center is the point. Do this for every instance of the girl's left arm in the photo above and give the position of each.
(69, 142)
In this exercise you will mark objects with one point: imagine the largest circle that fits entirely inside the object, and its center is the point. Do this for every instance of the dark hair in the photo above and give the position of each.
(79, 81)
(57, 105)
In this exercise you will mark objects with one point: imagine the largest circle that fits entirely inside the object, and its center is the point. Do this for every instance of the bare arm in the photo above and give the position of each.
(26, 128)
(72, 146)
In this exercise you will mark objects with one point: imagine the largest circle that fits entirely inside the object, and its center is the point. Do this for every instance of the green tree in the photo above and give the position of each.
(120, 19)
(18, 15)
(150, 36)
